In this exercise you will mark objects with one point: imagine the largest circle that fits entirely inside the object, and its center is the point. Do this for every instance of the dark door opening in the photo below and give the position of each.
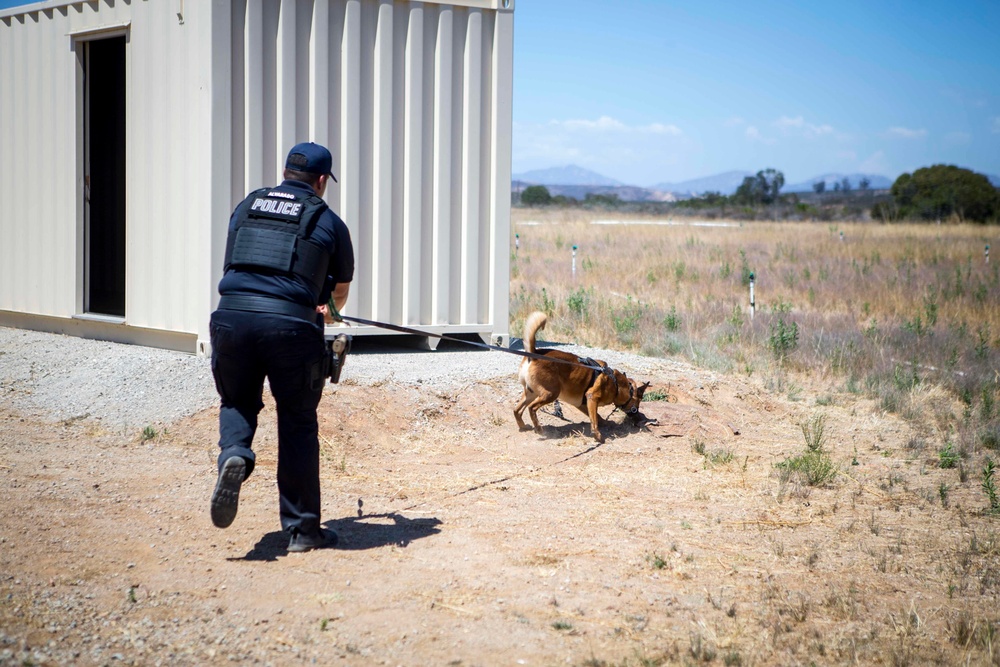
(104, 176)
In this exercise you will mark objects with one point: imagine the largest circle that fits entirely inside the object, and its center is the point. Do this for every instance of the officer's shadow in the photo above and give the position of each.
(353, 534)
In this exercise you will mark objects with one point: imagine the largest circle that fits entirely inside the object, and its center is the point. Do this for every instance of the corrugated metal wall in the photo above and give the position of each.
(412, 99)
(168, 160)
(38, 252)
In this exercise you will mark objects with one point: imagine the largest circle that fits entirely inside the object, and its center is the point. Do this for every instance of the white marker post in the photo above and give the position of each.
(841, 236)
(517, 243)
(987, 253)
(574, 260)
(753, 305)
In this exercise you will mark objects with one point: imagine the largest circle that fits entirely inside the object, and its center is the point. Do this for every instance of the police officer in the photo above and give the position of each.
(287, 253)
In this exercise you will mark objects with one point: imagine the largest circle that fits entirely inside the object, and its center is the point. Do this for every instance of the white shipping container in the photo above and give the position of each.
(129, 129)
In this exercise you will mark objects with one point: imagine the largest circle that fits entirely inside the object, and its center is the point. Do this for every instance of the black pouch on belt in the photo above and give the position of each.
(337, 350)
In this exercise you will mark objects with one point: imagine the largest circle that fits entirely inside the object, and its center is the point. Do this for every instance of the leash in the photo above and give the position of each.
(607, 370)
(515, 475)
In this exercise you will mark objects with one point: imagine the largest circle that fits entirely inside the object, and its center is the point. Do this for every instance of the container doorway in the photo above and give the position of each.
(104, 176)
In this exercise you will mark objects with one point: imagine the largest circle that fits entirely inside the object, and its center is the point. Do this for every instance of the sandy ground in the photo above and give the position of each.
(466, 542)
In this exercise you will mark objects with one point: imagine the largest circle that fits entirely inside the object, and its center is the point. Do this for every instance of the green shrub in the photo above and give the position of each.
(672, 321)
(655, 395)
(578, 302)
(814, 432)
(989, 486)
(745, 271)
(626, 320)
(536, 195)
(948, 457)
(784, 337)
(989, 436)
(939, 191)
(548, 305)
(816, 468)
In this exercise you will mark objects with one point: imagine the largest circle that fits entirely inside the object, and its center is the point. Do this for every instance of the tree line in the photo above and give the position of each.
(939, 192)
(843, 185)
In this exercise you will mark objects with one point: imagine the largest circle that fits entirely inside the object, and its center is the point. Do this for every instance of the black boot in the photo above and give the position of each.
(226, 497)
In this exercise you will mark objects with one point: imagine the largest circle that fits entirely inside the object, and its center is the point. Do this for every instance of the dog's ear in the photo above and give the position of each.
(641, 390)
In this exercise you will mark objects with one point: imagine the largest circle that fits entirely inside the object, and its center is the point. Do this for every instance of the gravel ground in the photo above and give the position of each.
(125, 387)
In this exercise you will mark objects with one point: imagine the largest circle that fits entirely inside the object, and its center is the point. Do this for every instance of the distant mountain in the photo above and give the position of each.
(876, 182)
(623, 192)
(577, 182)
(568, 175)
(724, 183)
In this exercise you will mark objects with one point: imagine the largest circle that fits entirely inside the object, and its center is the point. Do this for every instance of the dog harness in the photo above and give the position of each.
(599, 368)
(604, 369)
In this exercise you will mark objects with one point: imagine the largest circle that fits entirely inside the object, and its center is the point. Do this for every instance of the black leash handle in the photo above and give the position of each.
(485, 346)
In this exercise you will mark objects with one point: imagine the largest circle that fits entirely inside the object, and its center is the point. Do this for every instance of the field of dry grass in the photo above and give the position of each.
(891, 312)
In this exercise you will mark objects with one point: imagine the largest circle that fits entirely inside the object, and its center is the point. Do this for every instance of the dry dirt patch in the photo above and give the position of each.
(466, 542)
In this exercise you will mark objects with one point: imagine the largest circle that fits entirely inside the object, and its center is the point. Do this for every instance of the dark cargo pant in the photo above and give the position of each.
(289, 352)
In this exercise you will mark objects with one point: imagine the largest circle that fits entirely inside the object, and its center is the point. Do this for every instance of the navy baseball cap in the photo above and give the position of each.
(310, 158)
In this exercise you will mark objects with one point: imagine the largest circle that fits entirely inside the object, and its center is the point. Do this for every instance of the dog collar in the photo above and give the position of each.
(631, 395)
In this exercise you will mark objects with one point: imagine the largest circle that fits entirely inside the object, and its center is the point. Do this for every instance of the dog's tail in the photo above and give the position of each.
(535, 322)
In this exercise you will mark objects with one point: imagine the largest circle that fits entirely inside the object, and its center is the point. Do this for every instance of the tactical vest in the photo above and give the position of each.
(271, 234)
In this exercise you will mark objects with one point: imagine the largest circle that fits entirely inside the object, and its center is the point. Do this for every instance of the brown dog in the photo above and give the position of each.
(585, 388)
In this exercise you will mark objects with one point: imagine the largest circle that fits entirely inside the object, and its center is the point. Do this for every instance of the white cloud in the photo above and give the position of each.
(608, 124)
(996, 125)
(735, 121)
(906, 133)
(603, 123)
(799, 125)
(785, 121)
(659, 128)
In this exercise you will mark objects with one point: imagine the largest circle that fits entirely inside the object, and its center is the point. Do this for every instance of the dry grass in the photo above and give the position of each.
(901, 319)
(894, 312)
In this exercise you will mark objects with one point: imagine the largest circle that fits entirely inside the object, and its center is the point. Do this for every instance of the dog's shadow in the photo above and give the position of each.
(612, 430)
(353, 534)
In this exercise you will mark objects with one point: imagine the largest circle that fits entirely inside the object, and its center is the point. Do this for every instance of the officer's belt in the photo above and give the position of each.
(267, 304)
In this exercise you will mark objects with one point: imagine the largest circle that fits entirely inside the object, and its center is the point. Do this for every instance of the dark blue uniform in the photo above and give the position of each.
(287, 349)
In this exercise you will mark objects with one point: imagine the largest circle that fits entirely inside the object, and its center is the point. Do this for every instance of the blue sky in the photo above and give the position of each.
(647, 91)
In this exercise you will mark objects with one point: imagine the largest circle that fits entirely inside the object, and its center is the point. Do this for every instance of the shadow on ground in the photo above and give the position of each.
(353, 534)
